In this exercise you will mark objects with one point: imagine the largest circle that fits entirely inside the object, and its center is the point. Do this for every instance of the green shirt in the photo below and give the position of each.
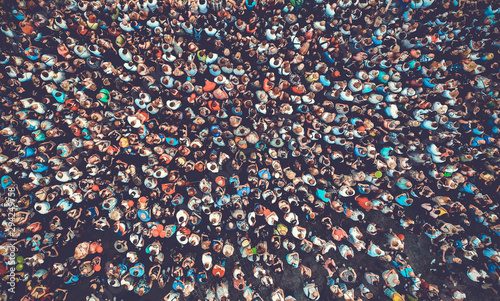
(106, 95)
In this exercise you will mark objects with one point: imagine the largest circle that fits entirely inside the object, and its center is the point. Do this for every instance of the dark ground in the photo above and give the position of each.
(416, 247)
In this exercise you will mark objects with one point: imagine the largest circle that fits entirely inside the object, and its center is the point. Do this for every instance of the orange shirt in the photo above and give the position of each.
(26, 28)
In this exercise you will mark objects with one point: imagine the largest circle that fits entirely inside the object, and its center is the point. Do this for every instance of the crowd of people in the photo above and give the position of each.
(198, 131)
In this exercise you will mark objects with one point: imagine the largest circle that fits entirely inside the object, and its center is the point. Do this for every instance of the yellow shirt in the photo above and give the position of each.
(397, 297)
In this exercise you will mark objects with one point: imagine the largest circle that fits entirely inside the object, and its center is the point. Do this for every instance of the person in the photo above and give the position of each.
(393, 294)
(311, 291)
(391, 278)
(458, 295)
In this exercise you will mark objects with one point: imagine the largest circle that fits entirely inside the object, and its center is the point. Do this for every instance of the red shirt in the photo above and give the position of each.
(362, 201)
